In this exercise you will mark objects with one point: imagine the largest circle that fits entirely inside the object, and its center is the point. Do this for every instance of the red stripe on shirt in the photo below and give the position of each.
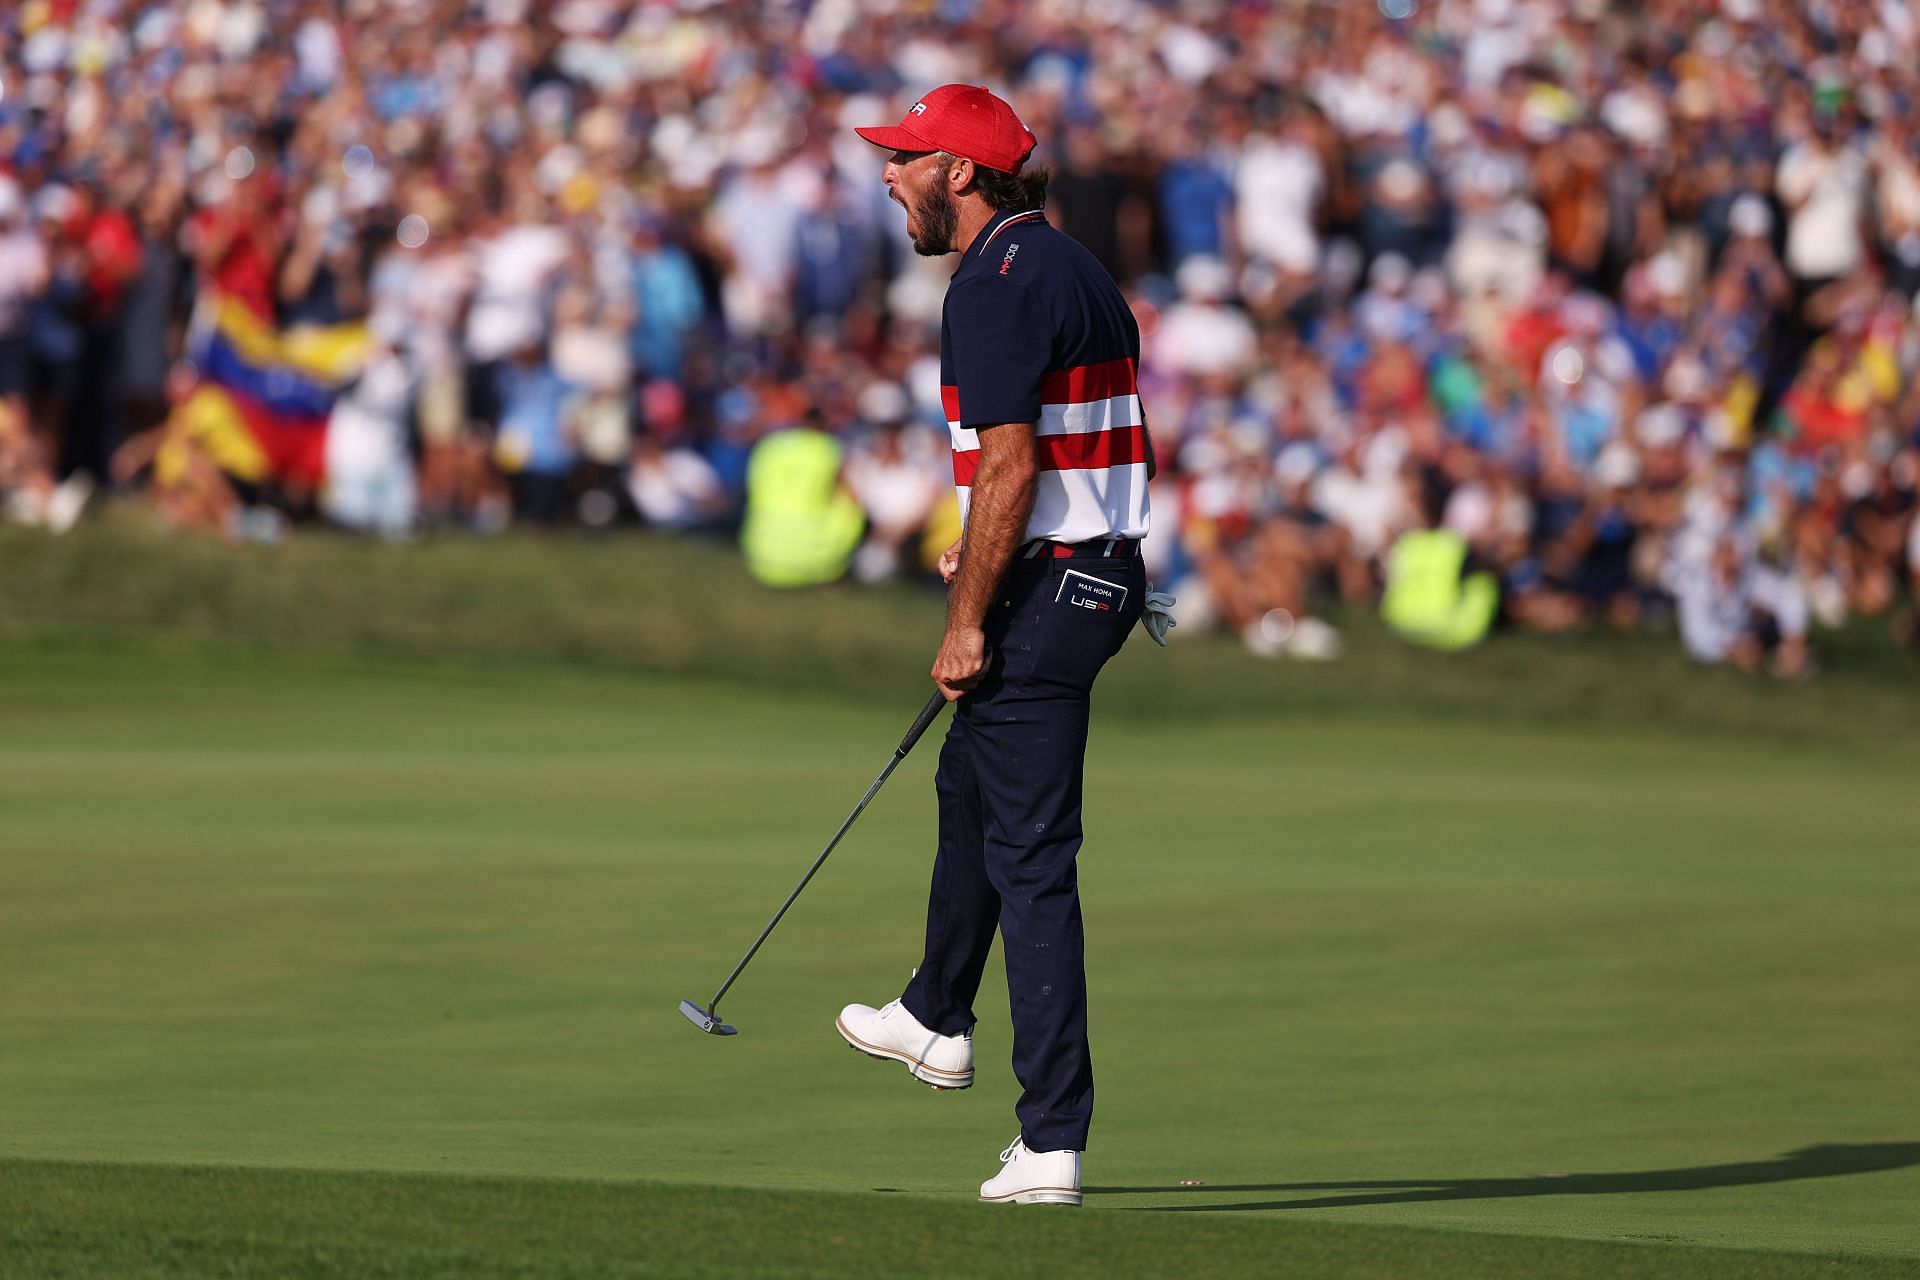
(1090, 382)
(1083, 385)
(1084, 451)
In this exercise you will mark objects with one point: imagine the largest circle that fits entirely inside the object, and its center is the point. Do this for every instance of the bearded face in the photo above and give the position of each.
(933, 219)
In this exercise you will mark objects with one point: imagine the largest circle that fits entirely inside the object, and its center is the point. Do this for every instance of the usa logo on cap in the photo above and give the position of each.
(965, 120)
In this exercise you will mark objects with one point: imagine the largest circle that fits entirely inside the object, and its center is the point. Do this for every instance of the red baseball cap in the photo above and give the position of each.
(966, 120)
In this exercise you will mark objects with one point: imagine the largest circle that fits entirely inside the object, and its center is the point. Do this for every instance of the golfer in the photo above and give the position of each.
(1038, 357)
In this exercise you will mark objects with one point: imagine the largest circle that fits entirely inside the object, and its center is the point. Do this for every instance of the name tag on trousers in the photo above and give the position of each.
(1084, 591)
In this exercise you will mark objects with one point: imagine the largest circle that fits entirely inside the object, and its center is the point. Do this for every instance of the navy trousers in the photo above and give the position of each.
(1009, 784)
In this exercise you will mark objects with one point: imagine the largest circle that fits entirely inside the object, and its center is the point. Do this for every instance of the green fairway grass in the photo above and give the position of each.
(139, 1223)
(320, 956)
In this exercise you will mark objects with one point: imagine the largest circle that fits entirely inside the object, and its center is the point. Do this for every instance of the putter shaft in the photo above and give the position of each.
(925, 718)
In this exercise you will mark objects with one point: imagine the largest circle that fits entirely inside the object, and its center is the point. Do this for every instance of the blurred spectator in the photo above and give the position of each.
(667, 301)
(1733, 607)
(1201, 336)
(370, 476)
(801, 526)
(24, 275)
(898, 475)
(536, 442)
(673, 487)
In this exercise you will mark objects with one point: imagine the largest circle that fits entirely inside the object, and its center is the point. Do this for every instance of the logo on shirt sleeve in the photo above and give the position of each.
(1007, 261)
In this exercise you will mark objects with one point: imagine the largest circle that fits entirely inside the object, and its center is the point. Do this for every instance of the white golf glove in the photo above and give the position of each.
(1157, 617)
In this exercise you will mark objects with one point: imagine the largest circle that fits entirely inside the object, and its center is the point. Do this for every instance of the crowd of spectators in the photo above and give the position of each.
(1624, 295)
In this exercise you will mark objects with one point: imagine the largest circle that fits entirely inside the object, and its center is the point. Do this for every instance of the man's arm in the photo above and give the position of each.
(998, 505)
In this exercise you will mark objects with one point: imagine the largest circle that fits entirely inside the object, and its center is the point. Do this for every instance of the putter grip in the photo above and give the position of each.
(925, 718)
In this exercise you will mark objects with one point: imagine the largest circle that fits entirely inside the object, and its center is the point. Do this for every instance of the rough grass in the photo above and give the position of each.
(686, 608)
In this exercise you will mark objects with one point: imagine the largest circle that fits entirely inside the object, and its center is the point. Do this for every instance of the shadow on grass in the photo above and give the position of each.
(1828, 1161)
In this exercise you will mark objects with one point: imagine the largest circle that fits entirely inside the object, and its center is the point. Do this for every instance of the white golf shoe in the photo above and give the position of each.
(1034, 1177)
(890, 1032)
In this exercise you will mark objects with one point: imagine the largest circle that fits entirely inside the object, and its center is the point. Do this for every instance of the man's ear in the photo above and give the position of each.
(960, 176)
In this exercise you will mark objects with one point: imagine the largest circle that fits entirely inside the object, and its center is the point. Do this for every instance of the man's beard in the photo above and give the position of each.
(939, 219)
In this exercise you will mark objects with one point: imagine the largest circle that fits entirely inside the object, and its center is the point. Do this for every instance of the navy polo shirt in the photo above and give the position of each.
(1035, 331)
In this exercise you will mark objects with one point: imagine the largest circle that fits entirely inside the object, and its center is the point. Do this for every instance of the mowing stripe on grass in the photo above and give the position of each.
(169, 1222)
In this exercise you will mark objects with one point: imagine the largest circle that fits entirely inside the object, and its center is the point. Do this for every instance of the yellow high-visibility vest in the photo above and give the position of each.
(1427, 601)
(801, 525)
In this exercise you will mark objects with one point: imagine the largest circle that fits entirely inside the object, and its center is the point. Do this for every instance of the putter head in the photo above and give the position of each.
(705, 1021)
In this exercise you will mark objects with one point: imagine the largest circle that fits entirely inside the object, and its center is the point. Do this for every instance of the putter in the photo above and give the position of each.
(708, 1019)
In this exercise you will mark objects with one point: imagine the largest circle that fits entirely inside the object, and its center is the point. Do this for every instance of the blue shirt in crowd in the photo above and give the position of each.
(533, 418)
(666, 293)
